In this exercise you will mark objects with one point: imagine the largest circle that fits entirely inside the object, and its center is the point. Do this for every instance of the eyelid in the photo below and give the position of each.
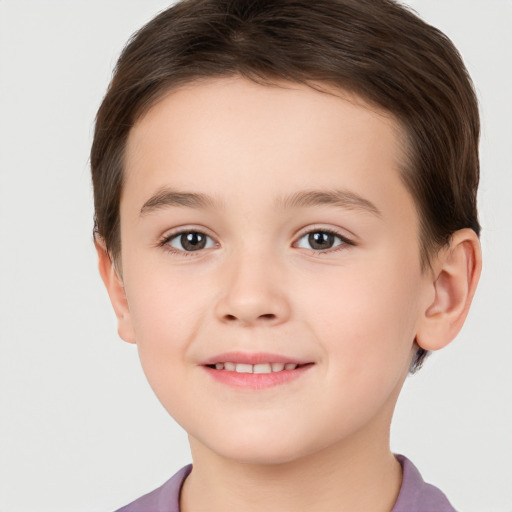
(164, 241)
(168, 236)
(332, 231)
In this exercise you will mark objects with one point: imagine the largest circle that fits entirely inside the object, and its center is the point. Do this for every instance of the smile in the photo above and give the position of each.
(255, 372)
(254, 368)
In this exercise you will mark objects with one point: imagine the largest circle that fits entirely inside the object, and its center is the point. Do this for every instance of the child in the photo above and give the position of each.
(286, 225)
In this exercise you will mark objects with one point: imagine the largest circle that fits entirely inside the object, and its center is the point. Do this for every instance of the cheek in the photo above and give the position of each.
(366, 317)
(165, 311)
(366, 329)
(163, 303)
(163, 327)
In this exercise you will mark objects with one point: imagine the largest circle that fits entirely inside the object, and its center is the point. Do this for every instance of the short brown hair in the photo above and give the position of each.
(377, 49)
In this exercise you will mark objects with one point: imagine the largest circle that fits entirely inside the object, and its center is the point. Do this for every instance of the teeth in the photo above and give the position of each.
(257, 368)
(243, 368)
(262, 368)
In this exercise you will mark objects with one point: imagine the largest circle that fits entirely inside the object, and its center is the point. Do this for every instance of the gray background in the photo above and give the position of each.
(80, 430)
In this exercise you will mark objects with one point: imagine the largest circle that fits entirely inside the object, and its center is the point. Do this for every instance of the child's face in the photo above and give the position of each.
(268, 280)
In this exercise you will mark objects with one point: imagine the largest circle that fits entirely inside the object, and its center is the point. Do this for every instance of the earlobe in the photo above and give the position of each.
(456, 273)
(114, 285)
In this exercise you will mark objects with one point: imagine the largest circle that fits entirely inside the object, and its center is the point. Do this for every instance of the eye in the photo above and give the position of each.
(188, 241)
(322, 240)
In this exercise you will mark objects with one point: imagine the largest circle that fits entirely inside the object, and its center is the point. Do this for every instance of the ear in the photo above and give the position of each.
(115, 288)
(456, 271)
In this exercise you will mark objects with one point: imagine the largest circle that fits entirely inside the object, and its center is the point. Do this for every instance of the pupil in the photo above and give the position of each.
(320, 240)
(193, 241)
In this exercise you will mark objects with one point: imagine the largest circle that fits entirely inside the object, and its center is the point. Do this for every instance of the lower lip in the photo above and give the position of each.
(256, 381)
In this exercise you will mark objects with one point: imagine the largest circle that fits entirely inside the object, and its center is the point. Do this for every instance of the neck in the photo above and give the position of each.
(357, 475)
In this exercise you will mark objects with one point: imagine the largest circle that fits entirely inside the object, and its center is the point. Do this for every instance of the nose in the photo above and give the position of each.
(253, 292)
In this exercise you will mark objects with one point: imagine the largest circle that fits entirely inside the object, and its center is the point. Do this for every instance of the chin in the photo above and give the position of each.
(262, 447)
(261, 455)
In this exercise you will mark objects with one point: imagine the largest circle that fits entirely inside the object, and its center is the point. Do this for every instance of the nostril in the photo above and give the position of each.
(267, 316)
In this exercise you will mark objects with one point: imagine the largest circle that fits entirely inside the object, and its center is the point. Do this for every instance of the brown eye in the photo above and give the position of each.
(320, 240)
(189, 241)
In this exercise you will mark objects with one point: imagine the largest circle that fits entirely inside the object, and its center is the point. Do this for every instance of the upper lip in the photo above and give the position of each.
(252, 358)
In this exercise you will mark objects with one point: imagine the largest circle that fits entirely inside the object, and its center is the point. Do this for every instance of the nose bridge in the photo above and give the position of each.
(252, 289)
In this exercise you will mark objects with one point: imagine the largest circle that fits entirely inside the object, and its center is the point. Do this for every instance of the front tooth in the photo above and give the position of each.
(290, 366)
(230, 367)
(277, 367)
(243, 368)
(219, 366)
(262, 368)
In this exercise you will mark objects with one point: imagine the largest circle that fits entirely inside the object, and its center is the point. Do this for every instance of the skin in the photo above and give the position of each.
(353, 309)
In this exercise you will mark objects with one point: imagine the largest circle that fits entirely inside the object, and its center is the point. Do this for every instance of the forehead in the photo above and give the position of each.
(205, 105)
(232, 136)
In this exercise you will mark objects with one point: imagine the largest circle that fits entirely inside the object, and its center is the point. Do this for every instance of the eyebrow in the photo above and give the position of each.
(168, 197)
(341, 198)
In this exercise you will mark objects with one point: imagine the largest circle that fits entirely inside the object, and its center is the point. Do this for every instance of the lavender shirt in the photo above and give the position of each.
(415, 495)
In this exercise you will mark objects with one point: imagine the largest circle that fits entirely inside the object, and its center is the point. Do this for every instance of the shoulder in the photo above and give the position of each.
(165, 498)
(416, 495)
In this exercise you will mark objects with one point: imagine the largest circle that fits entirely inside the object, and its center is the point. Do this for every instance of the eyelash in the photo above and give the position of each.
(164, 243)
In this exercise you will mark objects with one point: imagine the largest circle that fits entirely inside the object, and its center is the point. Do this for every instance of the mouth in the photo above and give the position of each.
(260, 368)
(255, 371)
